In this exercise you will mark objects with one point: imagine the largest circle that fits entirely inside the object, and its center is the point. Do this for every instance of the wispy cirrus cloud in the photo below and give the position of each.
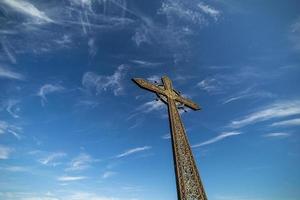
(7, 73)
(183, 19)
(32, 21)
(5, 152)
(218, 138)
(277, 135)
(9, 51)
(211, 85)
(15, 168)
(71, 178)
(209, 10)
(108, 174)
(294, 34)
(143, 63)
(166, 136)
(151, 106)
(81, 162)
(85, 195)
(92, 47)
(289, 122)
(6, 127)
(52, 159)
(246, 94)
(11, 106)
(28, 10)
(99, 83)
(190, 12)
(48, 89)
(58, 195)
(133, 151)
(272, 111)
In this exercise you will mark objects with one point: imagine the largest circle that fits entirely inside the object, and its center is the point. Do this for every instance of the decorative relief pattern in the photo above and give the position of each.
(189, 185)
(188, 180)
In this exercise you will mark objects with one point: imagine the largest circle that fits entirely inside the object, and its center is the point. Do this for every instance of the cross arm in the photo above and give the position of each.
(148, 86)
(187, 102)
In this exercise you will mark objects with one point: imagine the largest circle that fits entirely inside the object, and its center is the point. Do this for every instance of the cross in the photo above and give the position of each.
(188, 182)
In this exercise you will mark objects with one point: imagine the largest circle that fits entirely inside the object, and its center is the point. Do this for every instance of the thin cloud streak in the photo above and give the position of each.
(133, 151)
(7, 73)
(276, 110)
(71, 178)
(27, 9)
(277, 135)
(15, 168)
(290, 122)
(9, 54)
(218, 138)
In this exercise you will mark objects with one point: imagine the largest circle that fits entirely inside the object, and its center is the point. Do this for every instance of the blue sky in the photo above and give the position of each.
(73, 126)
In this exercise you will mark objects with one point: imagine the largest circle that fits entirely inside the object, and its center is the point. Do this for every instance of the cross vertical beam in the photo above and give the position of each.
(189, 185)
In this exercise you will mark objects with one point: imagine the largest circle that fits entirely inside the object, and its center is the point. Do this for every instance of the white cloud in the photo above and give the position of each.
(166, 136)
(81, 162)
(5, 127)
(183, 19)
(143, 35)
(8, 74)
(273, 111)
(27, 9)
(56, 195)
(64, 41)
(48, 89)
(143, 63)
(151, 106)
(236, 197)
(290, 122)
(89, 196)
(5, 152)
(133, 151)
(52, 159)
(248, 93)
(71, 178)
(218, 138)
(12, 108)
(210, 85)
(7, 49)
(214, 13)
(295, 34)
(277, 135)
(183, 10)
(99, 83)
(108, 174)
(92, 47)
(15, 169)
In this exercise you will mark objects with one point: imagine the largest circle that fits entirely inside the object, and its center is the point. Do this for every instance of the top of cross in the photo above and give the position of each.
(167, 91)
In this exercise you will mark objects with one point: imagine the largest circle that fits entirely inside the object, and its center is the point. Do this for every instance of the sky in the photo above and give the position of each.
(73, 125)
